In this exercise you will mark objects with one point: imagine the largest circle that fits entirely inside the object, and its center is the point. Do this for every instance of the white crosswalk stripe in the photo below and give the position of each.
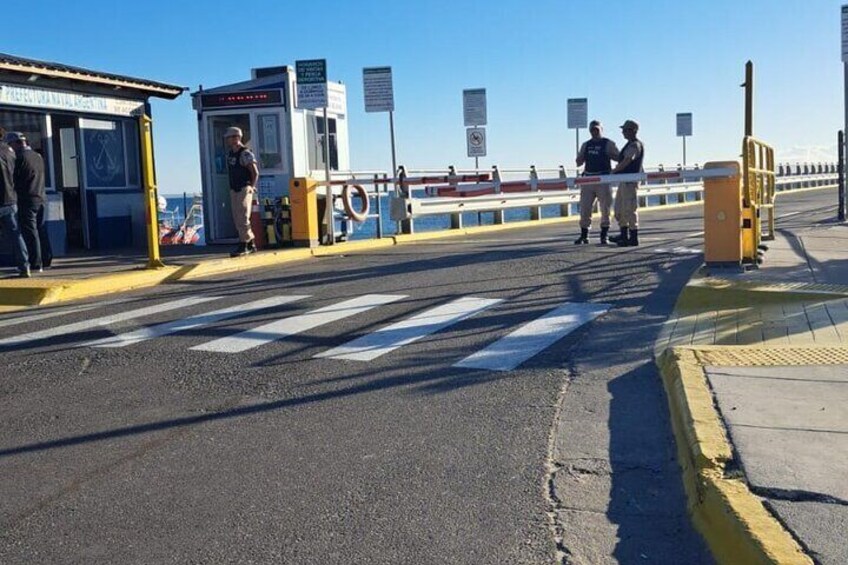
(389, 338)
(185, 324)
(286, 327)
(530, 339)
(105, 320)
(17, 320)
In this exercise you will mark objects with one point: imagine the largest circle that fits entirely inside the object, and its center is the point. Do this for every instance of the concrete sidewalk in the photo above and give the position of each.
(756, 367)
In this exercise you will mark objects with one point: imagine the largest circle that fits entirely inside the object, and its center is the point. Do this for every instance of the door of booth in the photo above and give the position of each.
(219, 207)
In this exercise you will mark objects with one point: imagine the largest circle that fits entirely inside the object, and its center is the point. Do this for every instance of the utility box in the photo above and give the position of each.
(304, 212)
(723, 219)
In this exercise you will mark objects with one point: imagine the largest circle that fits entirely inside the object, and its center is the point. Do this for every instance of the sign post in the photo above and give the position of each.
(312, 94)
(578, 116)
(380, 97)
(844, 77)
(474, 116)
(684, 129)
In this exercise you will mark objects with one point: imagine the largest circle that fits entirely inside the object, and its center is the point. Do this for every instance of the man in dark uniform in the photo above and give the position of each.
(9, 208)
(29, 184)
(597, 153)
(243, 172)
(626, 199)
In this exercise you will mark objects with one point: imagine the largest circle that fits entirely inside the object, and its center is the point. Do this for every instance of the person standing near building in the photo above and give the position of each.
(9, 207)
(244, 173)
(29, 185)
(597, 153)
(626, 199)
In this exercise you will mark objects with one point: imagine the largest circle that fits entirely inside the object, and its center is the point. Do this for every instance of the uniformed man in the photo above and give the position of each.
(244, 173)
(597, 154)
(626, 199)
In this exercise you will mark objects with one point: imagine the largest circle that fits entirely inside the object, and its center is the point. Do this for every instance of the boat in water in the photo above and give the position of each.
(178, 229)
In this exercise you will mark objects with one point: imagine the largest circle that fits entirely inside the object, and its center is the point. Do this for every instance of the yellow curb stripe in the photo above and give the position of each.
(734, 522)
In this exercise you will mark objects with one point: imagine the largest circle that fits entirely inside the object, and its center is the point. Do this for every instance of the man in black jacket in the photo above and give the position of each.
(29, 184)
(9, 208)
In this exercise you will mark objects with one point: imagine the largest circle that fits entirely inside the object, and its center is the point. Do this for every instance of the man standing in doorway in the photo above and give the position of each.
(9, 207)
(597, 153)
(626, 199)
(29, 184)
(244, 173)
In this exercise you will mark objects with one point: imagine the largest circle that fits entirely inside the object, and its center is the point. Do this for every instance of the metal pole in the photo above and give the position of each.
(392, 132)
(749, 98)
(684, 151)
(154, 261)
(328, 213)
(577, 144)
(840, 168)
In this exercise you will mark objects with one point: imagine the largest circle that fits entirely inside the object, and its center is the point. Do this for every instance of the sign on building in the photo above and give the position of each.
(578, 113)
(474, 107)
(476, 141)
(684, 125)
(379, 90)
(311, 83)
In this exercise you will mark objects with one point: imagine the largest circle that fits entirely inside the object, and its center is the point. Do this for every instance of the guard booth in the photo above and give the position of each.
(84, 124)
(288, 141)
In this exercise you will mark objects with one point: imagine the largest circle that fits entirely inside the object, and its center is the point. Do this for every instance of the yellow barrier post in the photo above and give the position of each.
(304, 212)
(723, 217)
(149, 179)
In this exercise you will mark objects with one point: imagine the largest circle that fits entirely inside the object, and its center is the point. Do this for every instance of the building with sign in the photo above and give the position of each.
(288, 141)
(84, 124)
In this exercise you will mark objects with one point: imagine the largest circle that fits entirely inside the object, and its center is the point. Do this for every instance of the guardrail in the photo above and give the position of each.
(421, 193)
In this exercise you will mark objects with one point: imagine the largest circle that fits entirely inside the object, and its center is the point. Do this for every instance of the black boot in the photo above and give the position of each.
(240, 250)
(622, 237)
(634, 238)
(604, 233)
(584, 237)
(250, 247)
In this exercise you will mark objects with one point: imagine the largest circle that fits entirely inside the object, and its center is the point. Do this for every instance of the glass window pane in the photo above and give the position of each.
(34, 126)
(104, 153)
(133, 154)
(270, 156)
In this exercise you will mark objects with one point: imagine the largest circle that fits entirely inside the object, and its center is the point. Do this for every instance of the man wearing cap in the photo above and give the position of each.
(243, 171)
(626, 200)
(29, 184)
(9, 208)
(597, 153)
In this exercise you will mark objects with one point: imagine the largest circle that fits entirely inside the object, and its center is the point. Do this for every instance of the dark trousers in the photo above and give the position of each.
(34, 231)
(9, 225)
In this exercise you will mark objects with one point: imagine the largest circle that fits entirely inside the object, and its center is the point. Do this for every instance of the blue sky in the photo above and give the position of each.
(644, 60)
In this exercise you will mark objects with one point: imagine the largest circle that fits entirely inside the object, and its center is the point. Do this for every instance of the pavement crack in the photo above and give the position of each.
(797, 495)
(549, 490)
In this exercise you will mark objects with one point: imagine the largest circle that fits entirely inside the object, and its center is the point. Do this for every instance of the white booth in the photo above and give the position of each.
(288, 141)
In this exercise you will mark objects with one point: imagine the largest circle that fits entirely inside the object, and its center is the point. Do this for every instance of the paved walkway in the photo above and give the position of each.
(782, 388)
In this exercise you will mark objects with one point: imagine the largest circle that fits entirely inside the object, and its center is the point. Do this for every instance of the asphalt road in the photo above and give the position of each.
(172, 450)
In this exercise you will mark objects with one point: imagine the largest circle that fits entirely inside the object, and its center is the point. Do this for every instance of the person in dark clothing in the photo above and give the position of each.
(29, 185)
(597, 154)
(9, 208)
(626, 199)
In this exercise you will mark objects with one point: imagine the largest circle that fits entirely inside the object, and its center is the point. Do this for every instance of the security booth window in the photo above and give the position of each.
(268, 142)
(316, 144)
(112, 155)
(34, 127)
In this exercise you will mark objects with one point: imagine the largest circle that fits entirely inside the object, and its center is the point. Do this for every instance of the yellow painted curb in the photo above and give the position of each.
(734, 522)
(353, 246)
(236, 264)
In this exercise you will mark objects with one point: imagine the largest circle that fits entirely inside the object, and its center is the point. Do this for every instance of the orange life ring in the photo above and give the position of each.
(347, 200)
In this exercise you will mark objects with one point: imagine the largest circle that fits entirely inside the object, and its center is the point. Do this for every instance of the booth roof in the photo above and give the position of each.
(31, 67)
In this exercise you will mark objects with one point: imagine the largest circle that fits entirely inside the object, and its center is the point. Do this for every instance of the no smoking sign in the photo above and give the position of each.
(476, 141)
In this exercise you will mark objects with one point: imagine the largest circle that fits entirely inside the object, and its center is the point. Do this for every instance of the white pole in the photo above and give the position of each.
(328, 213)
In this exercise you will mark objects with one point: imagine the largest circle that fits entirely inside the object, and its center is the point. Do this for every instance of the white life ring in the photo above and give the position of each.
(347, 201)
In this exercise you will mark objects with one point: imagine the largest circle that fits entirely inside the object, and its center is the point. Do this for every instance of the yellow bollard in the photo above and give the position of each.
(304, 212)
(149, 179)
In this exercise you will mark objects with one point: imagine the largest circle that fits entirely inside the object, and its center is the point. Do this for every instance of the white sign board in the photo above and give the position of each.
(476, 139)
(474, 107)
(311, 83)
(15, 95)
(684, 125)
(845, 33)
(578, 113)
(379, 91)
(336, 98)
